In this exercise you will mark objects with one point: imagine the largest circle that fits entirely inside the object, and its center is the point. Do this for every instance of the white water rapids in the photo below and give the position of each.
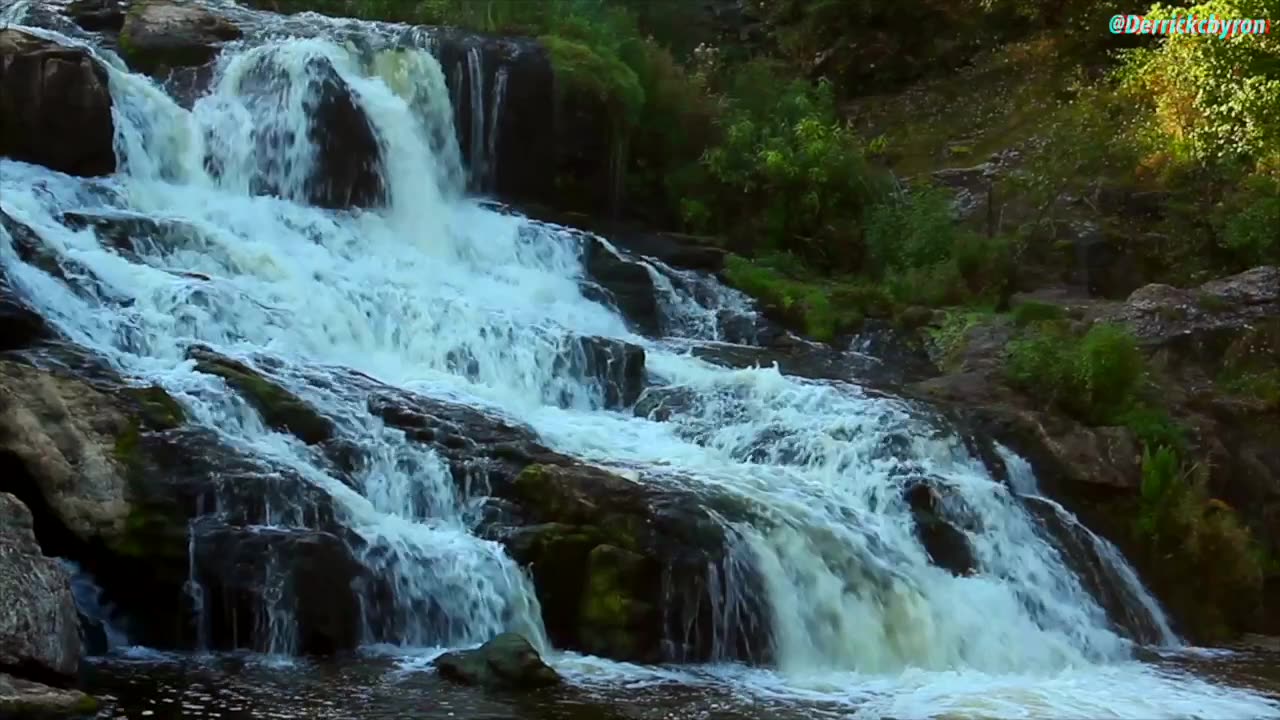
(861, 617)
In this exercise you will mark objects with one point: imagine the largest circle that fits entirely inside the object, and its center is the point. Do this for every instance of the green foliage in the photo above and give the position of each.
(806, 302)
(949, 338)
(1211, 101)
(786, 174)
(1252, 227)
(1212, 564)
(913, 231)
(1034, 312)
(1096, 378)
(581, 68)
(1154, 428)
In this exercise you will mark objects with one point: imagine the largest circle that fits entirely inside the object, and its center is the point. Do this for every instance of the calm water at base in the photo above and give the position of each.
(243, 687)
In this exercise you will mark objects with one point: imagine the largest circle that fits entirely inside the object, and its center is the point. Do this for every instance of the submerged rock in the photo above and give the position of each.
(55, 106)
(947, 546)
(507, 661)
(618, 367)
(39, 631)
(161, 34)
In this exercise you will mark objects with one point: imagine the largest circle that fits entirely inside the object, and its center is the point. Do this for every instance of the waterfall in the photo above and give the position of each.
(317, 299)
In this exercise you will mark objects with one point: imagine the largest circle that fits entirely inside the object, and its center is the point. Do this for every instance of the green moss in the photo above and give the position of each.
(126, 446)
(158, 410)
(279, 408)
(610, 611)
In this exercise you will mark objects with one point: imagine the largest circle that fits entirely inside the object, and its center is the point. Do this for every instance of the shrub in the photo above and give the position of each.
(1252, 227)
(598, 73)
(1096, 378)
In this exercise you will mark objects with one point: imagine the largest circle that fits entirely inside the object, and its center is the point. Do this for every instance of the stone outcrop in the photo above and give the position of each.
(55, 106)
(508, 661)
(25, 700)
(158, 35)
(98, 15)
(1193, 338)
(39, 635)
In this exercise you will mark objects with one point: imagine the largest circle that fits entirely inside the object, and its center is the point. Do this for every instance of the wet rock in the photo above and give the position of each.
(55, 106)
(948, 547)
(161, 34)
(280, 408)
(26, 700)
(627, 283)
(20, 325)
(131, 234)
(507, 661)
(39, 636)
(616, 366)
(98, 15)
(663, 403)
(306, 578)
(630, 570)
(348, 168)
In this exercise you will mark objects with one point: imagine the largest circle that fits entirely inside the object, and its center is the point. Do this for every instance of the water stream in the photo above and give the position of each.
(863, 623)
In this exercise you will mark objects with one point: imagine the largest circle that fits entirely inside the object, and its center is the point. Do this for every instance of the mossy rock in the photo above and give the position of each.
(156, 408)
(280, 408)
(612, 613)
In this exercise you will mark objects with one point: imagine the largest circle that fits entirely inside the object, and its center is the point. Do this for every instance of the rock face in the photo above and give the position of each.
(348, 160)
(507, 661)
(55, 106)
(617, 367)
(1192, 337)
(39, 634)
(161, 34)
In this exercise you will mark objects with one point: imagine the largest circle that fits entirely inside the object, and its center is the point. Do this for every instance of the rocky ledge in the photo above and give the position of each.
(1191, 338)
(39, 632)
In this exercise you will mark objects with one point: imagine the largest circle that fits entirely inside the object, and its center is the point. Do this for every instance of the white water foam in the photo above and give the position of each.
(861, 616)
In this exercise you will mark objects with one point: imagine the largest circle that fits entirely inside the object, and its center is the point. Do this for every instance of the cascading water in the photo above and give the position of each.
(401, 293)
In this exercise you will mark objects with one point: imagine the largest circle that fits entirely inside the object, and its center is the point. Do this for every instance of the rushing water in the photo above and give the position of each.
(863, 622)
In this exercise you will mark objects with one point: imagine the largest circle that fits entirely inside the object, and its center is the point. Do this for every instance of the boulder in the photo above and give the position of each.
(55, 106)
(98, 15)
(280, 408)
(347, 170)
(508, 662)
(626, 283)
(26, 700)
(616, 367)
(947, 546)
(39, 632)
(631, 570)
(160, 34)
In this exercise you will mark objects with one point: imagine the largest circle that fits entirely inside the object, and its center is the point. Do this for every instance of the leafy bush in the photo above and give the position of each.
(1095, 378)
(1211, 101)
(600, 74)
(786, 173)
(1252, 228)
